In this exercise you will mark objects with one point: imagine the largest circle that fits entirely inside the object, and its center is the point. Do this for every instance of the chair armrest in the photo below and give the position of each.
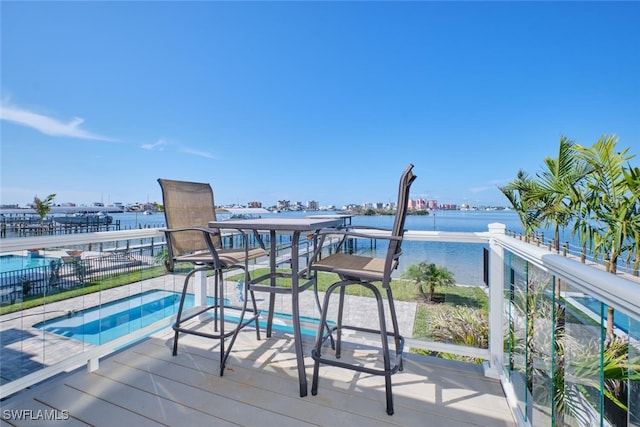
(361, 235)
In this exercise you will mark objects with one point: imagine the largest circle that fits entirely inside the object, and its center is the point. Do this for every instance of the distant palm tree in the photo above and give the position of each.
(428, 274)
(43, 207)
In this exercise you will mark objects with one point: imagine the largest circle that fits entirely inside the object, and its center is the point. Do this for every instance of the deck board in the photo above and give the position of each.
(145, 385)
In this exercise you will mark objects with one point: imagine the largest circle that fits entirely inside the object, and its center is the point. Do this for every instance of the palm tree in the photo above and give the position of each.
(632, 176)
(612, 203)
(428, 274)
(558, 188)
(43, 207)
(516, 192)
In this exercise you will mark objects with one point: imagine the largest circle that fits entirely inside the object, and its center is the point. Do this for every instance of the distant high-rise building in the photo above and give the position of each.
(419, 204)
(283, 204)
(448, 206)
(313, 205)
(254, 204)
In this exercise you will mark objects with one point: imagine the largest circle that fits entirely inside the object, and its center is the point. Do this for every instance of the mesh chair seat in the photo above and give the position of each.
(353, 266)
(227, 257)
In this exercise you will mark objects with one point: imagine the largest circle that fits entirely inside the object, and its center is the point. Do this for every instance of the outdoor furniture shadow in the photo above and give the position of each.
(356, 270)
(188, 208)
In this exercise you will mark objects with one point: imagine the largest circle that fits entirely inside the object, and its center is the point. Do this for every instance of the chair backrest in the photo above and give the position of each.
(403, 202)
(187, 205)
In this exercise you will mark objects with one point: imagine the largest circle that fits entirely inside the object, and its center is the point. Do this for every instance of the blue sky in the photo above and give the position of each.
(301, 101)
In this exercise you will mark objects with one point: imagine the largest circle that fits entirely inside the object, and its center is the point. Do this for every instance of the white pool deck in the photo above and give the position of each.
(144, 385)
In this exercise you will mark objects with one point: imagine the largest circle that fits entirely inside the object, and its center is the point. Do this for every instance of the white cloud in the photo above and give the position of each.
(204, 154)
(47, 125)
(159, 145)
(476, 190)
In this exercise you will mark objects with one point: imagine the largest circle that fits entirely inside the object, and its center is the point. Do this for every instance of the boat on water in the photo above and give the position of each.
(85, 218)
(241, 213)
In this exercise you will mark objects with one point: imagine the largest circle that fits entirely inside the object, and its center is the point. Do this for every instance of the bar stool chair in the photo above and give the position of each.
(188, 208)
(365, 272)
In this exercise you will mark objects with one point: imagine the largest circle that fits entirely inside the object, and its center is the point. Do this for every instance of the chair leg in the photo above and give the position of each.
(254, 305)
(387, 370)
(387, 386)
(219, 302)
(385, 352)
(175, 344)
(255, 313)
(224, 354)
(396, 328)
(216, 302)
(339, 323)
(176, 325)
(316, 353)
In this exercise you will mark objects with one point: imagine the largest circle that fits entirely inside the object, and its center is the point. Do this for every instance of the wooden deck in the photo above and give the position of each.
(144, 385)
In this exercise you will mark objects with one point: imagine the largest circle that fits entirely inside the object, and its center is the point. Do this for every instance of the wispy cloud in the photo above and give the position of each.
(47, 125)
(162, 143)
(198, 153)
(156, 146)
(476, 190)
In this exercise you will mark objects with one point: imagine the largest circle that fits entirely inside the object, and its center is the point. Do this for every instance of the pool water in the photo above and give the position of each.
(18, 262)
(99, 325)
(620, 320)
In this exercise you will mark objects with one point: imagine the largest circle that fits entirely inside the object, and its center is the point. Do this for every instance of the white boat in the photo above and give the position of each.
(85, 218)
(241, 213)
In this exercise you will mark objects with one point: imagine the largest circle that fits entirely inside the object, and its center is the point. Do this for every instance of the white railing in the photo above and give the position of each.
(615, 291)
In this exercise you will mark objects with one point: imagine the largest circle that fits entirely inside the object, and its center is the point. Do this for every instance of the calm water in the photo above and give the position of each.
(464, 260)
(440, 221)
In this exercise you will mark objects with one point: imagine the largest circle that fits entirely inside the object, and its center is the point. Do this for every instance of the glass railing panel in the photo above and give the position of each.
(541, 338)
(529, 338)
(634, 372)
(517, 328)
(79, 297)
(581, 359)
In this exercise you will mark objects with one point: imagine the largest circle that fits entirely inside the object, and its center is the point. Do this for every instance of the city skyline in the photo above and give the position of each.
(414, 204)
(306, 100)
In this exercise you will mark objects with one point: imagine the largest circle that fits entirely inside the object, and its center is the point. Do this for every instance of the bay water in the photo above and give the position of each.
(464, 260)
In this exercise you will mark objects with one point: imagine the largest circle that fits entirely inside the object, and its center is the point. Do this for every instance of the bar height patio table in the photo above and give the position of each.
(293, 226)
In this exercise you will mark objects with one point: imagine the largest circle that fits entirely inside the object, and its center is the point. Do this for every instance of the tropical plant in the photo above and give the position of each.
(462, 325)
(43, 207)
(632, 176)
(557, 188)
(516, 192)
(430, 275)
(162, 257)
(612, 204)
(610, 199)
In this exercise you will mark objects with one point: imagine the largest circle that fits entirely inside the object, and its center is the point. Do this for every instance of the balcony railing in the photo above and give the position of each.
(534, 318)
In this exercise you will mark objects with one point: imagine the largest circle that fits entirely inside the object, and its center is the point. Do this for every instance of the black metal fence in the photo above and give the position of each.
(69, 272)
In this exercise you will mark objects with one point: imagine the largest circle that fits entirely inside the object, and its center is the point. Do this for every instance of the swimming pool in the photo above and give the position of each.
(99, 325)
(620, 320)
(18, 262)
